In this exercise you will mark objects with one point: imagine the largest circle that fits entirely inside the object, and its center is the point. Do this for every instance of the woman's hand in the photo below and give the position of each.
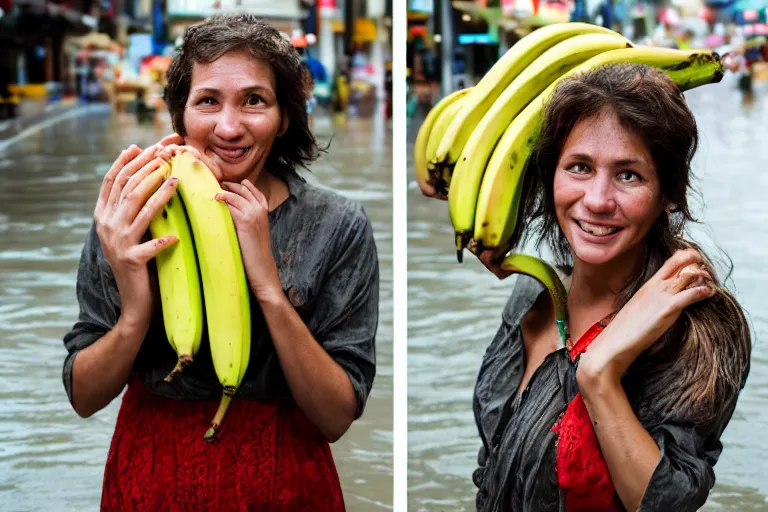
(249, 209)
(656, 306)
(128, 200)
(491, 259)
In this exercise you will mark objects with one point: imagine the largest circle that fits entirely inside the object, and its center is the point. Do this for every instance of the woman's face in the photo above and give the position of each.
(607, 195)
(232, 115)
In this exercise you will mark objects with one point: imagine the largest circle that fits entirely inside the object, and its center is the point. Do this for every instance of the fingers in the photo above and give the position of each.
(491, 259)
(232, 199)
(133, 181)
(173, 149)
(158, 197)
(173, 138)
(690, 276)
(679, 260)
(256, 194)
(694, 294)
(148, 250)
(109, 179)
(133, 202)
(126, 172)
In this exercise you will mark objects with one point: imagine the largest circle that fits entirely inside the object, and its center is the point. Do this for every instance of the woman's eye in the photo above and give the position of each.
(207, 101)
(629, 176)
(577, 168)
(254, 99)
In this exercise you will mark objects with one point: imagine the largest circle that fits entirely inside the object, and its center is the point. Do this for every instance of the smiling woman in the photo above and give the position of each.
(628, 415)
(237, 95)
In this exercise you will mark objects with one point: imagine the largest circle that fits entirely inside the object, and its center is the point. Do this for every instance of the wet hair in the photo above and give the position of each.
(705, 355)
(237, 32)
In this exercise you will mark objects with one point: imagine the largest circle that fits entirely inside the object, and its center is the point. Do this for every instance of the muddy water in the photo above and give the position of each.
(454, 311)
(52, 460)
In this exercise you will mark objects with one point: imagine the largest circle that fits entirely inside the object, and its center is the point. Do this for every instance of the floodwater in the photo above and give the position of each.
(51, 459)
(454, 311)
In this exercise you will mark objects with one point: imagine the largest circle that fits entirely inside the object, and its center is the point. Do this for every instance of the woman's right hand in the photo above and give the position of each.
(128, 201)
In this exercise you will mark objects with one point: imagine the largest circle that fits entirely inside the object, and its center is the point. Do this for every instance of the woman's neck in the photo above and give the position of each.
(594, 289)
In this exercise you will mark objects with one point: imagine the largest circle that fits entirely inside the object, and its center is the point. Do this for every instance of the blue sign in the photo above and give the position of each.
(420, 6)
(476, 39)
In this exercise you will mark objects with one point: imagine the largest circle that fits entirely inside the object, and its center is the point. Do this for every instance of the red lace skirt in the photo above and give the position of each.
(266, 457)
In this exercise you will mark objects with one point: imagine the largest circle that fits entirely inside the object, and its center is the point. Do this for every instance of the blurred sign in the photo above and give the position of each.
(476, 39)
(750, 14)
(420, 6)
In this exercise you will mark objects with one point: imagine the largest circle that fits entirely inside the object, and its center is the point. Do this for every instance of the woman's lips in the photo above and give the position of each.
(598, 231)
(231, 155)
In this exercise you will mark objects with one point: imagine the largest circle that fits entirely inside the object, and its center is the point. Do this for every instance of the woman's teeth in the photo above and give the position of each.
(231, 155)
(594, 229)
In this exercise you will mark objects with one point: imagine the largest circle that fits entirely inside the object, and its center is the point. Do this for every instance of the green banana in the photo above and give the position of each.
(428, 133)
(225, 288)
(516, 59)
(546, 275)
(500, 190)
(177, 273)
(468, 173)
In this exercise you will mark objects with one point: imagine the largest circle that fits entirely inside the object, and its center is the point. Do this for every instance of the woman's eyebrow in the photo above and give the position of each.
(244, 90)
(616, 163)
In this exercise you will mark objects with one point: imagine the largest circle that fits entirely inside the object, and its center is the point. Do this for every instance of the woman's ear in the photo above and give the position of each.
(284, 125)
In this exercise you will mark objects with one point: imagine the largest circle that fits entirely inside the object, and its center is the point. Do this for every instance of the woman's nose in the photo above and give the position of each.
(229, 125)
(599, 195)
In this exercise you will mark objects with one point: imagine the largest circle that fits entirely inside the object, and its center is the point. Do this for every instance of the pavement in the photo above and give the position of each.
(32, 112)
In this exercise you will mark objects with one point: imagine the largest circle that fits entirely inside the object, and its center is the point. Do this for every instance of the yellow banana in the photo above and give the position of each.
(500, 190)
(425, 135)
(468, 173)
(225, 288)
(546, 275)
(177, 273)
(516, 59)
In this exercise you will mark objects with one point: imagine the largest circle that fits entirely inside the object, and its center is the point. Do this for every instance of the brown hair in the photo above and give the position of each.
(207, 41)
(706, 353)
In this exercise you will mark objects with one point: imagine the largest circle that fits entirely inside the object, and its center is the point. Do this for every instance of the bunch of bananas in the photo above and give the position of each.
(206, 256)
(474, 144)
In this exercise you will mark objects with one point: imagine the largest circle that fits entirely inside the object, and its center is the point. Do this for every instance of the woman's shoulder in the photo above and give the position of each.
(525, 292)
(319, 201)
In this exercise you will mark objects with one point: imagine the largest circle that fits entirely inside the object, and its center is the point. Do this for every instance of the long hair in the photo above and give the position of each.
(207, 41)
(707, 351)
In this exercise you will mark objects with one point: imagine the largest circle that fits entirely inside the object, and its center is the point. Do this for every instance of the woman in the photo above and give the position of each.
(628, 416)
(237, 98)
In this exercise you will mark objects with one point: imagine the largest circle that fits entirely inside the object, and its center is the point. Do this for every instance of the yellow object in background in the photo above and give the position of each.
(34, 91)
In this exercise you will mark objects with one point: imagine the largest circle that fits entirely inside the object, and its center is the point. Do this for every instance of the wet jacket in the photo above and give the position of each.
(516, 470)
(324, 249)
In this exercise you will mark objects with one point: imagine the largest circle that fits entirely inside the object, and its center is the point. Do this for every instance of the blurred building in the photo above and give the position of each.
(33, 40)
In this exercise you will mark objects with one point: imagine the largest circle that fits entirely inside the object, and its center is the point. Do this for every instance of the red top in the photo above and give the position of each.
(581, 470)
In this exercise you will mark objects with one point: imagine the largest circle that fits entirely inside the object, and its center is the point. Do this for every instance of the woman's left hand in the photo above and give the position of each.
(249, 209)
(656, 306)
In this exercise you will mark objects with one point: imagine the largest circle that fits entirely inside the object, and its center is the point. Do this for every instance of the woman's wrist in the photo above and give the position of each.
(132, 327)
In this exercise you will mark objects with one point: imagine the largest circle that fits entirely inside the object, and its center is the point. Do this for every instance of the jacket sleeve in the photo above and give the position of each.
(350, 306)
(98, 301)
(684, 474)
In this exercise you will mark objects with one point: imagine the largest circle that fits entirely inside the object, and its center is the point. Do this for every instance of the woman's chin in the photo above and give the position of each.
(594, 255)
(232, 173)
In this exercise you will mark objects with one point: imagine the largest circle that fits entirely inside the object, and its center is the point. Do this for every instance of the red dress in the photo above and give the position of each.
(581, 470)
(267, 456)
